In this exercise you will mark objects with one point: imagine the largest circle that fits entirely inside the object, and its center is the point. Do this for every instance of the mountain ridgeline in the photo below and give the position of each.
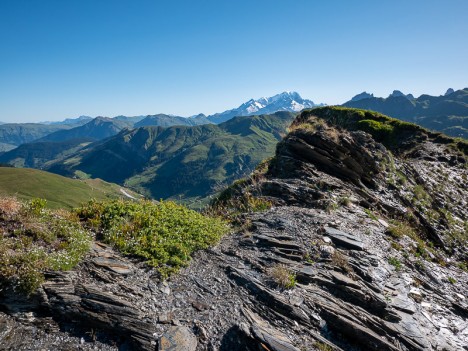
(447, 113)
(97, 129)
(180, 162)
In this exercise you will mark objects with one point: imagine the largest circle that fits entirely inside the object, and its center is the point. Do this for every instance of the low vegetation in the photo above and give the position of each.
(164, 234)
(371, 214)
(238, 199)
(341, 261)
(395, 262)
(282, 276)
(321, 346)
(398, 229)
(34, 239)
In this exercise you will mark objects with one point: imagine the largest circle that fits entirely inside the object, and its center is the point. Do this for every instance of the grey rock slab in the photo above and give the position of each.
(343, 239)
(344, 280)
(274, 341)
(403, 303)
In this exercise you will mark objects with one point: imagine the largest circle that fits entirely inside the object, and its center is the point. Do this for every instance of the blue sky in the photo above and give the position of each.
(61, 59)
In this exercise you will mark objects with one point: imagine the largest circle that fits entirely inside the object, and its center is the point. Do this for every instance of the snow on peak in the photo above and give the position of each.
(285, 101)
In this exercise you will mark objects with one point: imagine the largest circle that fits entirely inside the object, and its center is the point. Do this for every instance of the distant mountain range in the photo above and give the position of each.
(96, 129)
(180, 162)
(15, 134)
(70, 121)
(167, 156)
(447, 113)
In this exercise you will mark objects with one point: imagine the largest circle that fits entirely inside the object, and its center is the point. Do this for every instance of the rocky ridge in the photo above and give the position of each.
(337, 198)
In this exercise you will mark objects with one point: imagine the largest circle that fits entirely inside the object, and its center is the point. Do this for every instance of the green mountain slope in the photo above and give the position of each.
(447, 113)
(60, 192)
(37, 154)
(20, 133)
(180, 162)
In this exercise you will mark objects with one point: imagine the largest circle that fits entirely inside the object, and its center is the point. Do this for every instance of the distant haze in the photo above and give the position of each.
(63, 59)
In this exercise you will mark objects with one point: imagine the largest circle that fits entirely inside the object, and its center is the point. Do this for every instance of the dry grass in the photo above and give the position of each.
(283, 276)
(398, 229)
(323, 347)
(9, 206)
(341, 261)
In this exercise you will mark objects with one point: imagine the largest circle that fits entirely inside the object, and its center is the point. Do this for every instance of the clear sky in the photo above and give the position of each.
(65, 58)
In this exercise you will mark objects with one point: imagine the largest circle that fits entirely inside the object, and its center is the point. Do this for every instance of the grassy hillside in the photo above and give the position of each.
(37, 154)
(180, 162)
(447, 114)
(60, 192)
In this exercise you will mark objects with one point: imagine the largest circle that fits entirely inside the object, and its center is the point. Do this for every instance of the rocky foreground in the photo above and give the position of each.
(371, 238)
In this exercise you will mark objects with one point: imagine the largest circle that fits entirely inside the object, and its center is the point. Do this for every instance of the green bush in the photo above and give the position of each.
(395, 262)
(283, 277)
(376, 127)
(164, 234)
(34, 240)
(398, 229)
(451, 280)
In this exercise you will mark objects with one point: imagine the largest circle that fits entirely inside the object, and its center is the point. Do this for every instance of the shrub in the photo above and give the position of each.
(341, 261)
(371, 214)
(235, 201)
(283, 276)
(164, 234)
(451, 280)
(35, 240)
(395, 262)
(321, 346)
(379, 130)
(345, 201)
(396, 246)
(398, 229)
(420, 193)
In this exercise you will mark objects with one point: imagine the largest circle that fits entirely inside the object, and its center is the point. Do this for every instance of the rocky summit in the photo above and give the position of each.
(352, 237)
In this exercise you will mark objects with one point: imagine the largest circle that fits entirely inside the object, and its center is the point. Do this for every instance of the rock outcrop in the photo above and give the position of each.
(338, 198)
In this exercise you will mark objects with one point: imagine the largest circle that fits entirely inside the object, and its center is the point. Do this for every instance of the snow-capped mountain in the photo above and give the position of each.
(286, 101)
